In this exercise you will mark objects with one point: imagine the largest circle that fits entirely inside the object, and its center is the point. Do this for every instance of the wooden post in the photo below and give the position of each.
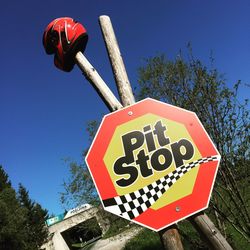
(119, 71)
(95, 79)
(208, 232)
(170, 236)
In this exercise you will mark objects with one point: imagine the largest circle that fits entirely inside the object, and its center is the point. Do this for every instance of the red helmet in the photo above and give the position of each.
(64, 37)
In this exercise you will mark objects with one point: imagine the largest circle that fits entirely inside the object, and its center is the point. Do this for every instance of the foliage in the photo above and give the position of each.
(35, 217)
(145, 240)
(190, 238)
(148, 239)
(90, 229)
(12, 233)
(191, 85)
(79, 188)
(83, 234)
(117, 224)
(4, 179)
(17, 232)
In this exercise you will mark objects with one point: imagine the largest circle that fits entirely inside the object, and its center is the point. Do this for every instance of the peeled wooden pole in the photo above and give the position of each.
(208, 232)
(170, 236)
(118, 67)
(95, 79)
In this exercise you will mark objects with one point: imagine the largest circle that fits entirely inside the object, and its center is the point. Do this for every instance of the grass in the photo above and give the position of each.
(149, 240)
(190, 238)
(116, 227)
(145, 240)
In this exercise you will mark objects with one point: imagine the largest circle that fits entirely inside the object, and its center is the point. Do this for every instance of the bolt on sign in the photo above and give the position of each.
(153, 163)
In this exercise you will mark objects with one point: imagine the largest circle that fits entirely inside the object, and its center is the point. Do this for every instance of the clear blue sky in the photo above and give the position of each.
(44, 111)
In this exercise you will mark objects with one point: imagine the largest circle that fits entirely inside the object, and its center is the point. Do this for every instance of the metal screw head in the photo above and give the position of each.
(130, 113)
(177, 209)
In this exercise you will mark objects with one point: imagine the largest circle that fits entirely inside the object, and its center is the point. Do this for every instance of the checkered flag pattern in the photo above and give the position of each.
(133, 204)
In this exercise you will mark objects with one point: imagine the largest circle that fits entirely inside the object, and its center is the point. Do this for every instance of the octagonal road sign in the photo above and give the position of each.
(153, 163)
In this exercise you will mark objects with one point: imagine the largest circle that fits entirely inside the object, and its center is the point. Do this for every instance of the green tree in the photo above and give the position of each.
(35, 217)
(12, 233)
(189, 84)
(22, 221)
(79, 188)
(4, 179)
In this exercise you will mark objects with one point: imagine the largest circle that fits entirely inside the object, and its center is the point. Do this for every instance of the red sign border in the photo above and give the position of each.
(177, 210)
